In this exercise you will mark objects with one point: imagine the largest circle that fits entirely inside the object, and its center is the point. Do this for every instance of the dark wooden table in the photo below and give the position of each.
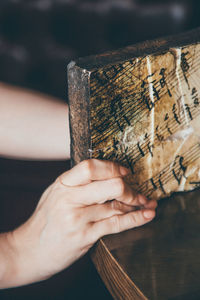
(160, 260)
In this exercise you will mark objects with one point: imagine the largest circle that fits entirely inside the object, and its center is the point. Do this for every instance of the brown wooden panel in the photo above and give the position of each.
(142, 111)
(140, 106)
(159, 260)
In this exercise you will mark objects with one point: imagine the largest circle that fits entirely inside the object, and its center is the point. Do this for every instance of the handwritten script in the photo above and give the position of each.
(145, 113)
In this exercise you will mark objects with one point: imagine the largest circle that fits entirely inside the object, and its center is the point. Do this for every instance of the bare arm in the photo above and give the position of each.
(72, 214)
(32, 125)
(76, 210)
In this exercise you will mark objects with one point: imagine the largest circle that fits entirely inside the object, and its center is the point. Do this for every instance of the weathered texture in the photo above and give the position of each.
(144, 112)
(78, 103)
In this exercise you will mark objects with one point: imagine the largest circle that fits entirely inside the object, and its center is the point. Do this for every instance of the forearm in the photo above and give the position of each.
(33, 126)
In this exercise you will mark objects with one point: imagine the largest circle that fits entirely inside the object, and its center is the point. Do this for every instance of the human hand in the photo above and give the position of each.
(72, 214)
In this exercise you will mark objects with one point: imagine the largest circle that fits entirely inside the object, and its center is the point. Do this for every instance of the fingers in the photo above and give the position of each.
(152, 204)
(102, 211)
(90, 170)
(120, 223)
(99, 192)
(99, 212)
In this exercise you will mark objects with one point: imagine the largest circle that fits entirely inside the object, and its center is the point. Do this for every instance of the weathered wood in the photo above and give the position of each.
(142, 111)
(79, 110)
(140, 106)
(159, 260)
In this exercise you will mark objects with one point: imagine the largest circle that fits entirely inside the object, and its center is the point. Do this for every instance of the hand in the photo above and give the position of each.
(72, 214)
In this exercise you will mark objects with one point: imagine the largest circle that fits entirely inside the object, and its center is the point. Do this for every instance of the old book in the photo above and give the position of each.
(140, 106)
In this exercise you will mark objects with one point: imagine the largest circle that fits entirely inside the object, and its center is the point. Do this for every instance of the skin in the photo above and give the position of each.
(83, 204)
(33, 125)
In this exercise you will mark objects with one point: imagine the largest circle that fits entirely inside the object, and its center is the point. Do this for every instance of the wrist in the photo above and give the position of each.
(24, 255)
(8, 260)
(18, 260)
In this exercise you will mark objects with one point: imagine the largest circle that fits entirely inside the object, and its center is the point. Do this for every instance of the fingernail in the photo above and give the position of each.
(124, 171)
(149, 214)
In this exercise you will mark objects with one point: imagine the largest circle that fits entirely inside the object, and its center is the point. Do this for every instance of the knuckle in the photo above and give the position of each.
(76, 218)
(115, 224)
(58, 180)
(136, 219)
(116, 205)
(87, 166)
(130, 199)
(119, 186)
(113, 204)
(133, 220)
(114, 169)
(56, 186)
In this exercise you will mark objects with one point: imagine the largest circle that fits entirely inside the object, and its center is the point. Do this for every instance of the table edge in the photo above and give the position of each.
(114, 277)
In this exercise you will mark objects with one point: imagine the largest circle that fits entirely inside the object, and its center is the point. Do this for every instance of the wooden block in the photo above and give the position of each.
(140, 106)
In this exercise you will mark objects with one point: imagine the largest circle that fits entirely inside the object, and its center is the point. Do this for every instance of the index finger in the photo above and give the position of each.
(91, 170)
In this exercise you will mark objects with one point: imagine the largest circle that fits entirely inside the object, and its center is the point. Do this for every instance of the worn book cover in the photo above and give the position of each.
(140, 106)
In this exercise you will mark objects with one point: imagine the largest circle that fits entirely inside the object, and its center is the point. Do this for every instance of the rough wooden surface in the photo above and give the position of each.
(146, 115)
(159, 260)
(120, 285)
(142, 109)
(79, 110)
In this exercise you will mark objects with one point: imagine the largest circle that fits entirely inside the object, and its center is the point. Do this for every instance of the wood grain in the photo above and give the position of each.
(140, 106)
(159, 260)
(143, 112)
(79, 103)
(115, 278)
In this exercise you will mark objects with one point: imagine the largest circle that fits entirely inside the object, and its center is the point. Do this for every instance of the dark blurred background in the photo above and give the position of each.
(38, 38)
